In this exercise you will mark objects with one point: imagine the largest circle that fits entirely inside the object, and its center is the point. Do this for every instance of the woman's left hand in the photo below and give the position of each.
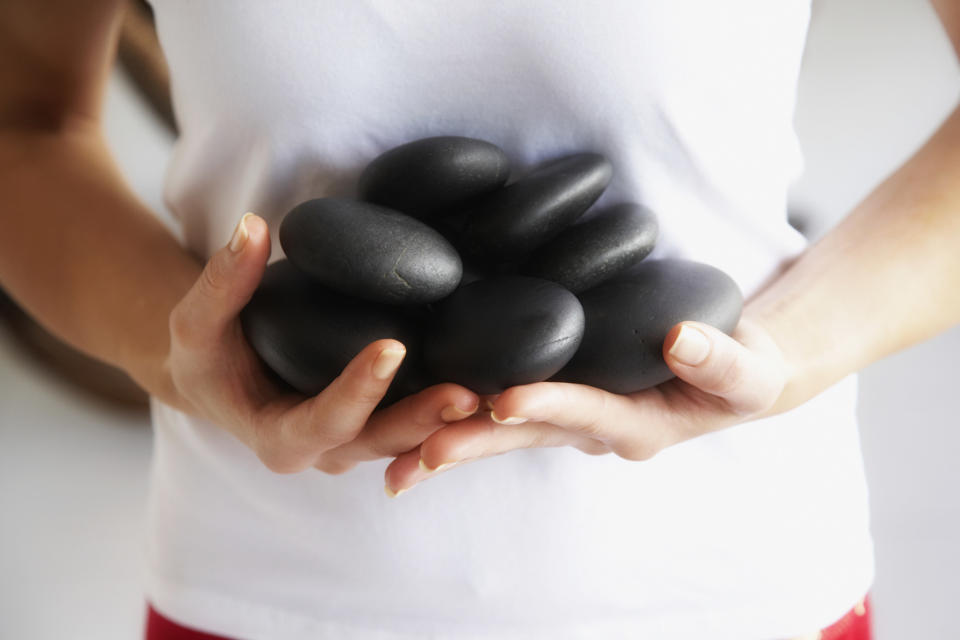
(721, 381)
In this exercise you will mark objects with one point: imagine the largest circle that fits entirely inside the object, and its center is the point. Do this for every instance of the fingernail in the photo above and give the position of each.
(691, 346)
(442, 467)
(510, 420)
(454, 413)
(240, 234)
(391, 493)
(387, 363)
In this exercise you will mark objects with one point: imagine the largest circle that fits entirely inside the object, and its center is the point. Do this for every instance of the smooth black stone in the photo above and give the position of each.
(515, 220)
(370, 252)
(306, 334)
(498, 333)
(428, 176)
(595, 250)
(627, 320)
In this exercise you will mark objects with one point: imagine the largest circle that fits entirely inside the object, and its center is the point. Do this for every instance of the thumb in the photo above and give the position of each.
(746, 371)
(228, 280)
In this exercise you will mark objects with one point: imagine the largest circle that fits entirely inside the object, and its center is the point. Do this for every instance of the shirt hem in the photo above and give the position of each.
(226, 615)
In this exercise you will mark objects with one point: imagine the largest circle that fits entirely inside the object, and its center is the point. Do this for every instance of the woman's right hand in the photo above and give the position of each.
(218, 376)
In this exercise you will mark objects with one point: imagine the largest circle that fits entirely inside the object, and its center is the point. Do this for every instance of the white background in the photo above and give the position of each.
(878, 77)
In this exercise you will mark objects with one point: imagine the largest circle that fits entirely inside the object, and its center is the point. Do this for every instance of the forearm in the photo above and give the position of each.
(885, 278)
(84, 256)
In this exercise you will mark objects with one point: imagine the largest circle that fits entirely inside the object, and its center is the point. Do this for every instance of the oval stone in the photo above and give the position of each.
(428, 176)
(370, 252)
(497, 333)
(515, 220)
(306, 334)
(627, 320)
(595, 250)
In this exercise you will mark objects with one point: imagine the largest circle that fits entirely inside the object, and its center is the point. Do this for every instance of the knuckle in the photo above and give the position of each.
(367, 396)
(279, 463)
(360, 392)
(540, 438)
(762, 398)
(731, 376)
(278, 459)
(593, 448)
(636, 451)
(336, 439)
(761, 405)
(214, 276)
(317, 434)
(334, 466)
(593, 424)
(378, 448)
(180, 325)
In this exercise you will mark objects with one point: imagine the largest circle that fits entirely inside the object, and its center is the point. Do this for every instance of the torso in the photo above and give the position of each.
(692, 100)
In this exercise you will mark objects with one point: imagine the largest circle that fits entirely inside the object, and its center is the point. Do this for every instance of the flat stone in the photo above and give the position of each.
(595, 250)
(628, 318)
(306, 333)
(371, 252)
(501, 332)
(513, 221)
(429, 176)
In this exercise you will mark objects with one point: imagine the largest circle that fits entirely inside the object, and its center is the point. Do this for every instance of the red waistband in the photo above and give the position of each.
(853, 626)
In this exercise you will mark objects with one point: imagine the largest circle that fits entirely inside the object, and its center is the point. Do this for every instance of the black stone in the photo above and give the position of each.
(515, 220)
(428, 176)
(472, 272)
(306, 334)
(627, 320)
(370, 252)
(498, 333)
(595, 250)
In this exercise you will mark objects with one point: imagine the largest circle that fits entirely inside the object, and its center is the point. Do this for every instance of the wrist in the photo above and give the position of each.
(809, 366)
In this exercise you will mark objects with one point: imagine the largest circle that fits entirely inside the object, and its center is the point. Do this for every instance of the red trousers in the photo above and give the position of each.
(853, 626)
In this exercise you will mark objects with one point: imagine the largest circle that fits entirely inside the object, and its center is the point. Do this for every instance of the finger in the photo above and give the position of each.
(227, 283)
(480, 437)
(402, 426)
(403, 473)
(633, 427)
(334, 416)
(344, 407)
(746, 370)
(579, 408)
(472, 439)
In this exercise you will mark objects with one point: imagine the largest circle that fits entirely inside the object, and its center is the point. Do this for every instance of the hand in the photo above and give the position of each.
(721, 381)
(219, 377)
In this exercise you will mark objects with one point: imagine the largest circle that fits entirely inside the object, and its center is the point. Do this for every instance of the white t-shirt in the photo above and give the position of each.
(758, 531)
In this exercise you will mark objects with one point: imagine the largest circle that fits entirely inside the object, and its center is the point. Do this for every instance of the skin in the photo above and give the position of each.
(887, 277)
(111, 281)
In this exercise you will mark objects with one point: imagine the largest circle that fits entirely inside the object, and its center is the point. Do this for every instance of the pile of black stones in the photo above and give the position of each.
(488, 284)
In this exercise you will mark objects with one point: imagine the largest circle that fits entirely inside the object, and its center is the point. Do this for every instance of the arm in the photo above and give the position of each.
(75, 237)
(893, 262)
(83, 255)
(885, 278)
